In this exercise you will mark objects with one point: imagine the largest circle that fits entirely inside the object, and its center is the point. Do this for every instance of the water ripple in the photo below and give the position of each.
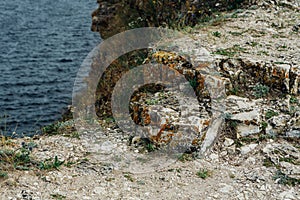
(42, 46)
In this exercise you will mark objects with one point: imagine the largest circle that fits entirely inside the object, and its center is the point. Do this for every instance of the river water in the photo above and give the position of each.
(42, 45)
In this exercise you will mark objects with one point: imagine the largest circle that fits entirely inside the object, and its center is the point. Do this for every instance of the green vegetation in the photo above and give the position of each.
(261, 90)
(185, 157)
(252, 139)
(284, 179)
(227, 116)
(3, 174)
(51, 164)
(12, 158)
(235, 90)
(69, 164)
(152, 101)
(129, 177)
(203, 173)
(66, 129)
(289, 159)
(263, 53)
(193, 82)
(178, 170)
(253, 44)
(267, 162)
(294, 100)
(270, 114)
(109, 119)
(16, 159)
(233, 124)
(224, 52)
(58, 196)
(236, 33)
(22, 159)
(216, 34)
(150, 147)
(51, 129)
(280, 62)
(230, 52)
(264, 125)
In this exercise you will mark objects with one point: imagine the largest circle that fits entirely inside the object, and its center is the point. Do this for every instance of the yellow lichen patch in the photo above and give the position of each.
(195, 142)
(167, 57)
(164, 136)
(206, 122)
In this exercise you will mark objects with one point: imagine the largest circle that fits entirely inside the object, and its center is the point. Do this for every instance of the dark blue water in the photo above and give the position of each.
(42, 44)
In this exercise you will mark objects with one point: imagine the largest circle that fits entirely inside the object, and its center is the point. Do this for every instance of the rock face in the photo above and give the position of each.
(259, 97)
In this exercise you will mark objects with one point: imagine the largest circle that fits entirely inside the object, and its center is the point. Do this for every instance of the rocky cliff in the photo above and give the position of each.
(115, 16)
(248, 69)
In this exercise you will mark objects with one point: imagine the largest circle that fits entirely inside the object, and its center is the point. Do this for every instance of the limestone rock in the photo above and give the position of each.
(245, 130)
(248, 148)
(228, 142)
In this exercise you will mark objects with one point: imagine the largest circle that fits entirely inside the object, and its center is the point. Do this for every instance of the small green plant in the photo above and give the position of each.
(285, 179)
(282, 47)
(294, 100)
(51, 164)
(150, 147)
(69, 164)
(109, 119)
(3, 174)
(51, 129)
(129, 177)
(65, 128)
(74, 134)
(19, 158)
(234, 90)
(185, 157)
(193, 82)
(261, 90)
(264, 125)
(237, 48)
(248, 139)
(293, 110)
(203, 173)
(253, 44)
(22, 159)
(234, 15)
(233, 124)
(230, 52)
(152, 101)
(216, 34)
(227, 116)
(58, 196)
(224, 52)
(236, 33)
(267, 162)
(289, 160)
(263, 137)
(263, 53)
(270, 114)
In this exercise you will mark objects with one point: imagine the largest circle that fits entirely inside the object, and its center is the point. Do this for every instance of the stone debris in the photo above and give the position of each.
(246, 149)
